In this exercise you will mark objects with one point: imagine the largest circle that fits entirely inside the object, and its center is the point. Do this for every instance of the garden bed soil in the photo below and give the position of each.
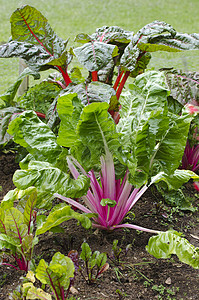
(139, 275)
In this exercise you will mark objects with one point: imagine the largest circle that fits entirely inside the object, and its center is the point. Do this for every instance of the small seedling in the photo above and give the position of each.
(94, 263)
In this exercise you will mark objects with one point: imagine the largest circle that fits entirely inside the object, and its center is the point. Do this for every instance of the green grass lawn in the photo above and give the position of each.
(69, 18)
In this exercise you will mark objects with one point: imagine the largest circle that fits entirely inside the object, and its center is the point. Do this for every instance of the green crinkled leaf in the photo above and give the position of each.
(39, 97)
(167, 243)
(97, 134)
(49, 180)
(61, 214)
(100, 92)
(179, 42)
(95, 92)
(153, 29)
(57, 274)
(170, 149)
(112, 34)
(184, 85)
(143, 118)
(31, 133)
(7, 114)
(95, 55)
(11, 92)
(69, 108)
(34, 40)
(130, 57)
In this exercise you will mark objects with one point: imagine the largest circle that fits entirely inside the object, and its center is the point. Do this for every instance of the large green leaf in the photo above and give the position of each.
(148, 94)
(31, 133)
(97, 135)
(148, 131)
(60, 214)
(34, 40)
(49, 180)
(95, 55)
(69, 108)
(170, 43)
(170, 149)
(170, 242)
(106, 34)
(39, 97)
(176, 180)
(153, 29)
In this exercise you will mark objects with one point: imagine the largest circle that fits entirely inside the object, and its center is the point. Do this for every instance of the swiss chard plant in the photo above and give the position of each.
(57, 275)
(112, 165)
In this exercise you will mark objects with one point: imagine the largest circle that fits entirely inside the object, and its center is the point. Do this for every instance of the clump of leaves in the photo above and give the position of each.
(57, 275)
(95, 263)
(17, 237)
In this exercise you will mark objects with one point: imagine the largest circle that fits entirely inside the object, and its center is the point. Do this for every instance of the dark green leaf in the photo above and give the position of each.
(31, 133)
(96, 55)
(49, 180)
(184, 86)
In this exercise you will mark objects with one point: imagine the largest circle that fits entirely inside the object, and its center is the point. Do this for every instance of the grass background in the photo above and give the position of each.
(70, 17)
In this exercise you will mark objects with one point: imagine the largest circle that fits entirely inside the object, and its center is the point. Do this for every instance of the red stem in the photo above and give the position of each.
(40, 115)
(55, 291)
(122, 83)
(65, 75)
(118, 80)
(5, 264)
(94, 76)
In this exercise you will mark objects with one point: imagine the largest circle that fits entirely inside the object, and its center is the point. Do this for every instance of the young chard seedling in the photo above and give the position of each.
(95, 263)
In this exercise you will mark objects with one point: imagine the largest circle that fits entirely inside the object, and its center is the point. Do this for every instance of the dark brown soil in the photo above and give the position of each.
(138, 275)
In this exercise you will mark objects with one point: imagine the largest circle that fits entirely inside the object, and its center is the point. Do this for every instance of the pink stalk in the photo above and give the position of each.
(60, 84)
(138, 195)
(120, 209)
(135, 227)
(108, 217)
(108, 175)
(73, 202)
